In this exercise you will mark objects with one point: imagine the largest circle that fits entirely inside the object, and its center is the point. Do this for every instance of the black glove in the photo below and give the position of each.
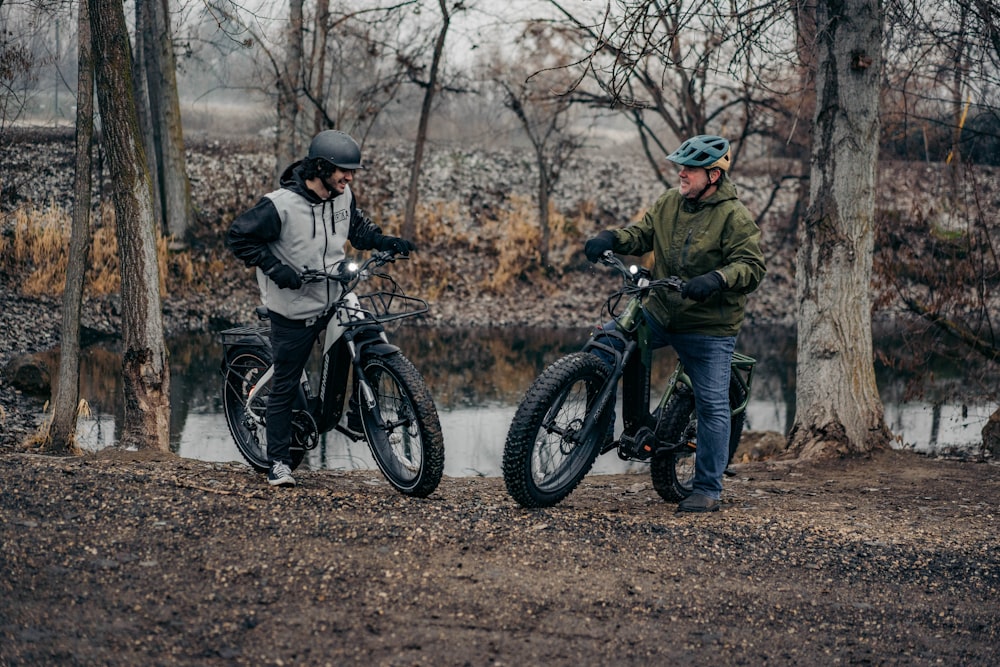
(701, 287)
(598, 245)
(396, 245)
(284, 276)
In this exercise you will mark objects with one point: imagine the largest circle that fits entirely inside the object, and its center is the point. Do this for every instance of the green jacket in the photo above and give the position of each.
(714, 234)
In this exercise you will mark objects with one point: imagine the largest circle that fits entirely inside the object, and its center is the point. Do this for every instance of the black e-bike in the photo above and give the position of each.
(563, 423)
(395, 413)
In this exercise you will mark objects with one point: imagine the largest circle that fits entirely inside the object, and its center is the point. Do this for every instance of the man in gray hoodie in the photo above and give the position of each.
(304, 223)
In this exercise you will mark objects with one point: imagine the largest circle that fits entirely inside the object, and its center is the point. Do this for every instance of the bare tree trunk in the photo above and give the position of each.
(317, 83)
(409, 218)
(65, 404)
(960, 48)
(545, 186)
(838, 408)
(145, 101)
(161, 74)
(289, 82)
(145, 371)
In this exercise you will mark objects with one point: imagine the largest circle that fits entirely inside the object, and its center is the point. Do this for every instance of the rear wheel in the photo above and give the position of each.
(672, 468)
(402, 429)
(246, 422)
(545, 456)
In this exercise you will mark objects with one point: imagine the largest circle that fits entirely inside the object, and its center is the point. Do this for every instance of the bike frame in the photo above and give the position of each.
(633, 367)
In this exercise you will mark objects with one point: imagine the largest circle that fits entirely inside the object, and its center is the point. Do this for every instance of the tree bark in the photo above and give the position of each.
(413, 191)
(161, 73)
(838, 408)
(145, 371)
(289, 82)
(545, 186)
(65, 404)
(146, 99)
(317, 83)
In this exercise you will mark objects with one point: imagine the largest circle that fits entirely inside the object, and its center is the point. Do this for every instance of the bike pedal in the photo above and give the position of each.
(354, 422)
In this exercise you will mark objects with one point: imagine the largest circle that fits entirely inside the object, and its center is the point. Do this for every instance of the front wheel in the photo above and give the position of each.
(402, 429)
(545, 456)
(246, 420)
(672, 469)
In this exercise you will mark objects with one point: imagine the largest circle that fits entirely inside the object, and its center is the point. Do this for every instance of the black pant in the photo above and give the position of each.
(291, 343)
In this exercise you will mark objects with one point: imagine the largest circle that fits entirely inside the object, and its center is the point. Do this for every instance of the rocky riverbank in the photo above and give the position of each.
(460, 186)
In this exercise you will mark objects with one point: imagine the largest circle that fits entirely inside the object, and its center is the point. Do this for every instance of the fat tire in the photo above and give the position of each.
(244, 366)
(411, 454)
(672, 470)
(565, 391)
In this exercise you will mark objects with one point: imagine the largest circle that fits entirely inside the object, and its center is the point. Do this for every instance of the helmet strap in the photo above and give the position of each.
(708, 186)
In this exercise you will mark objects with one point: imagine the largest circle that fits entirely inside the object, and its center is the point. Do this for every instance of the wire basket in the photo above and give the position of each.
(386, 306)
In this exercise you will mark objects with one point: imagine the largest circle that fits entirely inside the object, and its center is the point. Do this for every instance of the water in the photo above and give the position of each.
(477, 378)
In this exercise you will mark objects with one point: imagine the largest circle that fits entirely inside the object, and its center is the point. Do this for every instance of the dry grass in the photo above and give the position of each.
(38, 250)
(506, 241)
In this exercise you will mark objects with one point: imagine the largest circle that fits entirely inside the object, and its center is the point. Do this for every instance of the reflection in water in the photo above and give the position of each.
(477, 378)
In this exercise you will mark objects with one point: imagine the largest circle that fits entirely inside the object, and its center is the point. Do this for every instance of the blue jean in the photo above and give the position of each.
(708, 362)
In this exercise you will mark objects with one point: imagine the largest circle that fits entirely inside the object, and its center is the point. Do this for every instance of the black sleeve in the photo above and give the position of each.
(363, 234)
(252, 231)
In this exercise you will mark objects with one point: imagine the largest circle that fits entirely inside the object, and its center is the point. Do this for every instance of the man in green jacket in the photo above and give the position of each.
(701, 232)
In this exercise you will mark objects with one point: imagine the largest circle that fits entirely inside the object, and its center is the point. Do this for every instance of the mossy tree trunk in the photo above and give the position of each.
(173, 185)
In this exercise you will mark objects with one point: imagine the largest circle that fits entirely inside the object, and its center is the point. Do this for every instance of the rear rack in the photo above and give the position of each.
(236, 335)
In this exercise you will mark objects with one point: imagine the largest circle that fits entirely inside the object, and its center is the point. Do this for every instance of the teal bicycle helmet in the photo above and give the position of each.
(704, 150)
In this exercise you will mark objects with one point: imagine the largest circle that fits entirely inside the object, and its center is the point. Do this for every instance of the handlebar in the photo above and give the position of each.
(350, 273)
(384, 304)
(638, 279)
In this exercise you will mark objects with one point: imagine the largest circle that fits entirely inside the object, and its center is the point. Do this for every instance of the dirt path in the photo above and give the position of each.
(167, 561)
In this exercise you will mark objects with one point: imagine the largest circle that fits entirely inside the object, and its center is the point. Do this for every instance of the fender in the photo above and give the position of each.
(372, 338)
(377, 346)
(252, 343)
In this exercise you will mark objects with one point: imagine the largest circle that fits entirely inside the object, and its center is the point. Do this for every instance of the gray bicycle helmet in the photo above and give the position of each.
(337, 148)
(704, 150)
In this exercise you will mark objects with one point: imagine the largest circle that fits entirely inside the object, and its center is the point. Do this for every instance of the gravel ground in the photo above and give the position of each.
(110, 560)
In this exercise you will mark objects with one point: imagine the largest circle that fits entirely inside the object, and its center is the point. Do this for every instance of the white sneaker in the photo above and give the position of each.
(280, 475)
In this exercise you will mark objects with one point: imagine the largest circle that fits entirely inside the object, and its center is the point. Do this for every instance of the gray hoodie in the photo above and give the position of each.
(294, 226)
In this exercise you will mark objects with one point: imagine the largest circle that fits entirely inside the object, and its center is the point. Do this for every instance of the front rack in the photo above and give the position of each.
(384, 306)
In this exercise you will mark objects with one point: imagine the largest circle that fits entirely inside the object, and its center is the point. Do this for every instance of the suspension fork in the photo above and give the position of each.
(358, 341)
(605, 399)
